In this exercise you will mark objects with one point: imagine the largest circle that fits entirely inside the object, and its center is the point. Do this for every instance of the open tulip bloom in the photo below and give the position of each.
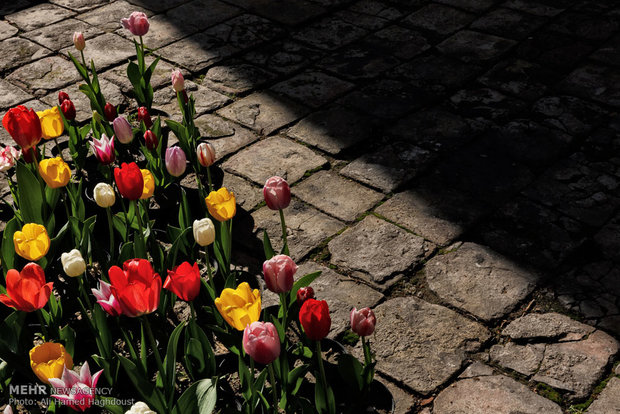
(76, 391)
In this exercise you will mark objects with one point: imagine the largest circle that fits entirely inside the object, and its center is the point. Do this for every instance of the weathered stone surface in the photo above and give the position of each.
(38, 16)
(158, 5)
(525, 359)
(264, 112)
(385, 98)
(547, 325)
(7, 30)
(478, 280)
(404, 402)
(329, 33)
(554, 51)
(471, 46)
(486, 104)
(162, 32)
(283, 56)
(160, 77)
(496, 394)
(247, 195)
(402, 43)
(609, 53)
(236, 78)
(313, 88)
(569, 114)
(289, 13)
(476, 369)
(536, 8)
(377, 251)
(423, 345)
(585, 25)
(11, 95)
(608, 238)
(576, 367)
(361, 61)
(439, 19)
(257, 161)
(608, 401)
(471, 5)
(80, 5)
(307, 228)
(508, 23)
(595, 82)
(332, 130)
(225, 136)
(108, 17)
(55, 36)
(44, 75)
(17, 52)
(336, 196)
(207, 100)
(106, 50)
(197, 15)
(198, 51)
(518, 77)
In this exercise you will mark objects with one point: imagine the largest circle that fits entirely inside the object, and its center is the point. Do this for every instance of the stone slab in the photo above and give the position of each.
(198, 51)
(314, 89)
(226, 137)
(80, 5)
(470, 5)
(609, 53)
(11, 95)
(399, 41)
(39, 16)
(527, 80)
(283, 56)
(247, 195)
(7, 30)
(207, 100)
(439, 19)
(471, 46)
(525, 359)
(536, 8)
(44, 75)
(547, 326)
(508, 23)
(160, 77)
(236, 78)
(106, 50)
(608, 238)
(108, 17)
(386, 99)
(17, 52)
(198, 15)
(608, 402)
(59, 35)
(569, 114)
(289, 13)
(329, 33)
(487, 105)
(555, 51)
(158, 5)
(257, 161)
(596, 82)
(162, 32)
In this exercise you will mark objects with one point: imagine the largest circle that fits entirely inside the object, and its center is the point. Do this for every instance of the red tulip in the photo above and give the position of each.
(129, 180)
(151, 140)
(184, 281)
(62, 96)
(109, 111)
(304, 293)
(143, 115)
(277, 193)
(68, 109)
(24, 126)
(27, 291)
(261, 342)
(279, 272)
(315, 319)
(136, 287)
(363, 321)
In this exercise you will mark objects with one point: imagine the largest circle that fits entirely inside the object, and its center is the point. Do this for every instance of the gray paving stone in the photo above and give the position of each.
(199, 14)
(594, 82)
(557, 52)
(476, 279)
(59, 35)
(80, 5)
(376, 251)
(289, 13)
(496, 394)
(569, 114)
(17, 52)
(508, 23)
(439, 19)
(160, 77)
(362, 20)
(162, 31)
(38, 16)
(476, 369)
(329, 33)
(583, 24)
(422, 345)
(336, 196)
(536, 8)
(158, 6)
(333, 130)
(306, 227)
(608, 401)
(247, 195)
(526, 80)
(525, 359)
(486, 104)
(399, 41)
(389, 167)
(274, 156)
(609, 53)
(470, 5)
(471, 46)
(207, 100)
(108, 17)
(264, 112)
(225, 136)
(45, 74)
(198, 51)
(362, 61)
(282, 56)
(314, 89)
(7, 30)
(548, 326)
(608, 238)
(106, 50)
(11, 95)
(236, 78)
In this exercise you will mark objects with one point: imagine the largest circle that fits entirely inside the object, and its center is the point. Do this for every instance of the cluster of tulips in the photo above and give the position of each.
(114, 280)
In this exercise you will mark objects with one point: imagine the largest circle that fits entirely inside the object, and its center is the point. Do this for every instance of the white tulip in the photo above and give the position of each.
(140, 408)
(72, 263)
(204, 232)
(104, 195)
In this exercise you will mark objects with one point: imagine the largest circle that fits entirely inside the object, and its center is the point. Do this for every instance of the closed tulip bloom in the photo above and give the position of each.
(31, 242)
(76, 391)
(363, 321)
(24, 126)
(27, 291)
(178, 83)
(204, 232)
(78, 41)
(140, 408)
(73, 263)
(261, 342)
(55, 172)
(129, 180)
(221, 204)
(150, 139)
(315, 319)
(8, 157)
(49, 360)
(104, 195)
(149, 184)
(109, 111)
(68, 109)
(239, 307)
(137, 23)
(144, 116)
(304, 293)
(62, 96)
(277, 193)
(8, 410)
(104, 149)
(279, 272)
(206, 154)
(176, 161)
(51, 123)
(136, 287)
(106, 299)
(122, 130)
(184, 281)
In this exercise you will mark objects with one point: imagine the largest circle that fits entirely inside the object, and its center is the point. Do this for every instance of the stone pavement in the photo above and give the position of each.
(454, 164)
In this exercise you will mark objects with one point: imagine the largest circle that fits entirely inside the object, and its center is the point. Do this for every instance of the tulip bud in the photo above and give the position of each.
(204, 232)
(279, 272)
(304, 294)
(109, 111)
(78, 41)
(140, 408)
(104, 195)
(262, 342)
(122, 130)
(151, 140)
(363, 321)
(178, 83)
(62, 96)
(176, 161)
(143, 115)
(72, 263)
(277, 193)
(68, 109)
(206, 154)
(97, 117)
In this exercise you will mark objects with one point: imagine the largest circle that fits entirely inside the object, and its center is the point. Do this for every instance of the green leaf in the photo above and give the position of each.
(30, 195)
(269, 253)
(8, 247)
(67, 334)
(245, 377)
(149, 72)
(296, 376)
(351, 371)
(80, 68)
(199, 354)
(101, 322)
(141, 383)
(143, 349)
(171, 358)
(172, 253)
(127, 252)
(185, 216)
(199, 398)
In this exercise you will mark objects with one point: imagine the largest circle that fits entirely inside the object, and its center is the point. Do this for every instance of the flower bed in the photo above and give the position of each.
(93, 271)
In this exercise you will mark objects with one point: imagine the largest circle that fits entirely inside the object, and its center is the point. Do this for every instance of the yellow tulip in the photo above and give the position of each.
(221, 204)
(149, 184)
(32, 242)
(55, 172)
(51, 123)
(48, 360)
(239, 307)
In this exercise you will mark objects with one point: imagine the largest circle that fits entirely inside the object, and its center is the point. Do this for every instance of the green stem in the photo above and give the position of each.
(319, 355)
(149, 333)
(111, 231)
(284, 235)
(59, 150)
(85, 66)
(209, 179)
(209, 273)
(76, 240)
(274, 391)
(191, 307)
(84, 293)
(42, 323)
(140, 227)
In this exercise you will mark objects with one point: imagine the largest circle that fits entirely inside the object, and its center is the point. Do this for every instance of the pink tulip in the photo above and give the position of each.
(8, 156)
(175, 161)
(78, 41)
(279, 272)
(76, 391)
(363, 321)
(104, 149)
(122, 130)
(277, 193)
(106, 299)
(137, 24)
(178, 83)
(261, 342)
(206, 154)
